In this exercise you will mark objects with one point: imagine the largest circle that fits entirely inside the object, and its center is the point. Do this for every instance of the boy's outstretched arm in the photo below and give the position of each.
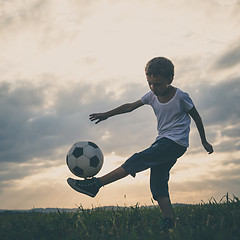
(197, 119)
(125, 108)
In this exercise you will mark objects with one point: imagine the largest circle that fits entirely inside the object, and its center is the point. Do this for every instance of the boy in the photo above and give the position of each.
(173, 109)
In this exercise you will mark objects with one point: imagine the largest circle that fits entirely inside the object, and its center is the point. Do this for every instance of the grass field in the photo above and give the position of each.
(206, 221)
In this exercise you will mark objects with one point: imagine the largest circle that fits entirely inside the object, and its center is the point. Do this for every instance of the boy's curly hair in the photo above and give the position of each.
(160, 66)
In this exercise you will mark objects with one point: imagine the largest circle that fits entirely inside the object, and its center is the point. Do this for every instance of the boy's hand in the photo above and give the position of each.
(98, 116)
(208, 147)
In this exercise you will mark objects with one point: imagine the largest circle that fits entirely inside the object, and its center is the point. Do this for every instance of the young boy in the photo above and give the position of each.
(173, 109)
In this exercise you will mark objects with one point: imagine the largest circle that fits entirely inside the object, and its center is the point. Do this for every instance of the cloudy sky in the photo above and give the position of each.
(61, 60)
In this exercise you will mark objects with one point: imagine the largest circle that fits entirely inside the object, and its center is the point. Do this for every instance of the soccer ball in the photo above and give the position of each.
(84, 159)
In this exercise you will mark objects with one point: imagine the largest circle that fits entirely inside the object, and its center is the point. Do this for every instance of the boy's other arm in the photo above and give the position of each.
(125, 108)
(198, 120)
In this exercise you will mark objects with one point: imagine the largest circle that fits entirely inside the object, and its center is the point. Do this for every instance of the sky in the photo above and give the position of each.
(63, 60)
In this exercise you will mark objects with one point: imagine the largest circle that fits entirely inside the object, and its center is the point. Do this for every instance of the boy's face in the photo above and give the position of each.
(158, 85)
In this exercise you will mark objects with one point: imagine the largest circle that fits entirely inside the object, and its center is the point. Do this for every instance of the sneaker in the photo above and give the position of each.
(167, 224)
(89, 187)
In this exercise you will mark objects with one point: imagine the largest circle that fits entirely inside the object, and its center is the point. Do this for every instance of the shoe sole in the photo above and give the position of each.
(72, 183)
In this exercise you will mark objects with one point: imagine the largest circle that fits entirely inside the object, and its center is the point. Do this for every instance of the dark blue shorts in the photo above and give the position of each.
(160, 157)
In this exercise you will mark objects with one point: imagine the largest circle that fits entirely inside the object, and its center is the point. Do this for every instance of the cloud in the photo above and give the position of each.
(17, 16)
(218, 103)
(213, 183)
(40, 26)
(223, 181)
(230, 58)
(18, 106)
(234, 162)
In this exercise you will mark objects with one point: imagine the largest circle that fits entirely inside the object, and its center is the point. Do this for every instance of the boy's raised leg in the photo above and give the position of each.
(113, 176)
(91, 186)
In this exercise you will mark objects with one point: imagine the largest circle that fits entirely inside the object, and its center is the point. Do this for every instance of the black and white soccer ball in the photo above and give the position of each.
(84, 159)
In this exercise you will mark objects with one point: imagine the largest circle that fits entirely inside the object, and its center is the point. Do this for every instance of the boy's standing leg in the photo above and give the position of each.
(159, 178)
(167, 212)
(166, 207)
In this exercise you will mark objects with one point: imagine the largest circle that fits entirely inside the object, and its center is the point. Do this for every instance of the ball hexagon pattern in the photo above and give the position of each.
(84, 159)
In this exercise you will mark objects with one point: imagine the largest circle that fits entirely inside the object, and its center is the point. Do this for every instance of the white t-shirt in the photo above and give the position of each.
(173, 120)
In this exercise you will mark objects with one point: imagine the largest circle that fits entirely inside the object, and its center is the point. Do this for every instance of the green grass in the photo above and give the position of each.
(220, 221)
